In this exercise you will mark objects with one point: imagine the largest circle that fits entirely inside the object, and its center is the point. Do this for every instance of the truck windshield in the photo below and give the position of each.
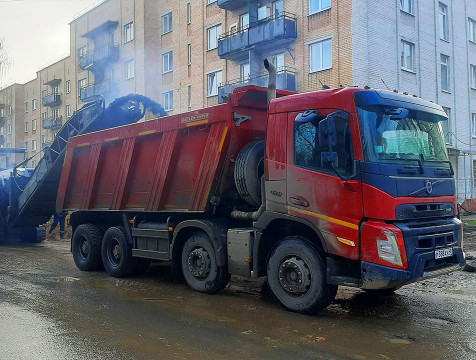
(409, 135)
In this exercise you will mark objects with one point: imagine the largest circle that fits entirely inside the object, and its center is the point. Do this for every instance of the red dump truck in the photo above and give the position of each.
(343, 186)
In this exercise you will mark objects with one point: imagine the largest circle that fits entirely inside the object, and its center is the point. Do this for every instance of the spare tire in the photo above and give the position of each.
(249, 168)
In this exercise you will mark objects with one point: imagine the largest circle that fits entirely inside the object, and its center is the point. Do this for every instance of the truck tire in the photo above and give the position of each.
(199, 265)
(86, 247)
(116, 253)
(249, 167)
(297, 276)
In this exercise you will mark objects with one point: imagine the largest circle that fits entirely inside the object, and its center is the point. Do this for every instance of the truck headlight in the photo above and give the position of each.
(388, 249)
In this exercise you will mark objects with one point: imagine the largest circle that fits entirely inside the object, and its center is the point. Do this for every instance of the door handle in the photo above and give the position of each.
(300, 202)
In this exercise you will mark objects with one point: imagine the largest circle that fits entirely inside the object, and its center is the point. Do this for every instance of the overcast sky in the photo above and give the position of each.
(36, 33)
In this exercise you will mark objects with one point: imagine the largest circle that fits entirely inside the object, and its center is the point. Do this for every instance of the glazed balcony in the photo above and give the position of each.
(270, 34)
(53, 123)
(2, 121)
(52, 100)
(99, 57)
(231, 4)
(285, 80)
(92, 91)
(2, 139)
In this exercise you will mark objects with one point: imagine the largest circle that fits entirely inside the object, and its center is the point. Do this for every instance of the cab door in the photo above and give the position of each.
(326, 193)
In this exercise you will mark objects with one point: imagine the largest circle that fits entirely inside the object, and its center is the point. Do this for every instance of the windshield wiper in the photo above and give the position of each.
(440, 161)
(420, 163)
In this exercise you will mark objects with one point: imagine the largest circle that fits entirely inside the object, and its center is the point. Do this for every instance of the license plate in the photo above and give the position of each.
(442, 253)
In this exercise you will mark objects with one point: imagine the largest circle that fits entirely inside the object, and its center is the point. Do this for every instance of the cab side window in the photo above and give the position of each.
(312, 154)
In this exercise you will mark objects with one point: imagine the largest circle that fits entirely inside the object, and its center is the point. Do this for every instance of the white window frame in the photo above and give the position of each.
(81, 85)
(68, 110)
(167, 62)
(189, 95)
(33, 104)
(245, 72)
(26, 106)
(443, 21)
(9, 129)
(189, 13)
(445, 68)
(244, 21)
(209, 2)
(27, 126)
(189, 53)
(472, 30)
(33, 125)
(129, 69)
(168, 100)
(9, 111)
(213, 33)
(68, 86)
(320, 6)
(214, 80)
(167, 23)
(473, 125)
(33, 145)
(128, 32)
(472, 76)
(406, 6)
(320, 46)
(56, 113)
(403, 55)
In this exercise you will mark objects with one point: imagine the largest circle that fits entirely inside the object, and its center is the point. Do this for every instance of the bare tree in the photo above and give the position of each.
(4, 60)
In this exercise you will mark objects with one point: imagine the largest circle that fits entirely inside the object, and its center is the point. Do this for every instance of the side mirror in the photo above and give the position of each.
(327, 132)
(330, 158)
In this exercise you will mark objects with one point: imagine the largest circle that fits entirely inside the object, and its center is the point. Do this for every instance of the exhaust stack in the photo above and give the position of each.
(271, 80)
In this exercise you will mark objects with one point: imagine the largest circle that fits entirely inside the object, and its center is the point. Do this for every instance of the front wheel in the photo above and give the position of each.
(297, 277)
(199, 265)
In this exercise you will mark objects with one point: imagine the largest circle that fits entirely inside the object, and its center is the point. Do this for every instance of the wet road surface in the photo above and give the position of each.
(51, 310)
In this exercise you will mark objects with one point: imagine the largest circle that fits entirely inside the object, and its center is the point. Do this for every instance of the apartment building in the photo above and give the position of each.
(189, 54)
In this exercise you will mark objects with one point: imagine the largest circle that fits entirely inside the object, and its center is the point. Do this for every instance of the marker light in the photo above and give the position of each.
(388, 249)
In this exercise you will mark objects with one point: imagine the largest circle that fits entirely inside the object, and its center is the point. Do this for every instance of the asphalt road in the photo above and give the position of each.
(51, 310)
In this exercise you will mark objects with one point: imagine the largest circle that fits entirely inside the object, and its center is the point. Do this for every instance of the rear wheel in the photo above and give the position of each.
(297, 276)
(199, 266)
(116, 253)
(86, 247)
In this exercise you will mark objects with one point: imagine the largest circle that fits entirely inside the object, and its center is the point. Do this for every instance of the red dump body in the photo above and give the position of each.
(174, 163)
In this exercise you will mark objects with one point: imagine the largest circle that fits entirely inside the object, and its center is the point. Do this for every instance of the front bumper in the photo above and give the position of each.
(383, 277)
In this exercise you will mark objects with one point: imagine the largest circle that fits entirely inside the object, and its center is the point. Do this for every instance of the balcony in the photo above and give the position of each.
(268, 34)
(91, 91)
(285, 80)
(2, 121)
(2, 139)
(99, 57)
(53, 123)
(52, 100)
(231, 4)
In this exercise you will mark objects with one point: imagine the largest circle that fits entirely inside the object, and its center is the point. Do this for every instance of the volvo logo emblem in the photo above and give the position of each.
(429, 187)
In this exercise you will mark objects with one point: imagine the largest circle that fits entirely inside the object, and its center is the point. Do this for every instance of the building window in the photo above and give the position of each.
(213, 33)
(278, 61)
(56, 114)
(9, 129)
(43, 93)
(33, 124)
(33, 104)
(278, 8)
(211, 2)
(26, 145)
(68, 110)
(189, 94)
(443, 21)
(81, 85)
(26, 106)
(473, 125)
(244, 21)
(445, 72)
(9, 112)
(26, 126)
(472, 30)
(68, 86)
(43, 139)
(129, 32)
(33, 145)
(407, 6)
(264, 12)
(44, 115)
(189, 52)
(167, 62)
(214, 81)
(321, 55)
(408, 50)
(167, 23)
(446, 126)
(189, 13)
(168, 100)
(472, 70)
(82, 51)
(318, 5)
(129, 69)
(245, 72)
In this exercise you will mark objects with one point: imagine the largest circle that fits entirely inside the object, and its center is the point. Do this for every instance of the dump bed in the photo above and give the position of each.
(174, 163)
